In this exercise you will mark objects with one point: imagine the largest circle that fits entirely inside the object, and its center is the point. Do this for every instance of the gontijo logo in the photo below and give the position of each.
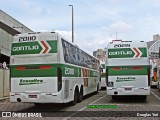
(45, 47)
(121, 53)
(22, 48)
(36, 47)
(127, 52)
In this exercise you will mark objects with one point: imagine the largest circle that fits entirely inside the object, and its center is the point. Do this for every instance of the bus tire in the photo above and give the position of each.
(97, 88)
(75, 98)
(80, 96)
(158, 86)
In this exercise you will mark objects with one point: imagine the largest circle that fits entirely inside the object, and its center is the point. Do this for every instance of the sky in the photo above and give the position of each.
(96, 22)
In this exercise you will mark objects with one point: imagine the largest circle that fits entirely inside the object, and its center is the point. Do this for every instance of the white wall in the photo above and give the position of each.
(4, 83)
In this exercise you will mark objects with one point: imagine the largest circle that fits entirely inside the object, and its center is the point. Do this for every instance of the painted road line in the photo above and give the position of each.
(83, 108)
(155, 95)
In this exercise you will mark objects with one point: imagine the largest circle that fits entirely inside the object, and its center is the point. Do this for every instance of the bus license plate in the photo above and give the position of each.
(32, 96)
(128, 89)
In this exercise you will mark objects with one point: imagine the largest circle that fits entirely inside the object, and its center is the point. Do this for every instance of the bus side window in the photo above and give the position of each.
(65, 50)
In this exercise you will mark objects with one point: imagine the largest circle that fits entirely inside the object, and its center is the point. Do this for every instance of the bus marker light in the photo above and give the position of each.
(44, 67)
(20, 68)
(137, 68)
(116, 68)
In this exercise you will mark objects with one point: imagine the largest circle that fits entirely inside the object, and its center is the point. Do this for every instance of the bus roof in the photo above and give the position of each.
(127, 53)
(41, 35)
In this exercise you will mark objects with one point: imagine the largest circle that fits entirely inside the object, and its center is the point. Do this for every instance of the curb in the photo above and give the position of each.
(4, 98)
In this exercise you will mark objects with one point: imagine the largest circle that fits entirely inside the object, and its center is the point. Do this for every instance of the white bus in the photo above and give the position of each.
(158, 71)
(45, 68)
(127, 69)
(103, 78)
(154, 73)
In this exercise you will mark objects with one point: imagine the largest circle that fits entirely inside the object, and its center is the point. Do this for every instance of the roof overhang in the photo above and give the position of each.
(8, 29)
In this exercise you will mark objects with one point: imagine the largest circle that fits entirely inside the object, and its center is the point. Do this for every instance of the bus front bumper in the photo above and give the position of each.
(36, 98)
(128, 91)
(153, 83)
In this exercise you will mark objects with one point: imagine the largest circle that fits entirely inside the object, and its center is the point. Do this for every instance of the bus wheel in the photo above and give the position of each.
(80, 96)
(158, 86)
(75, 98)
(97, 88)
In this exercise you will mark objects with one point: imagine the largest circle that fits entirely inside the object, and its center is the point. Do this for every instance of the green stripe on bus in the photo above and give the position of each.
(126, 52)
(127, 70)
(33, 71)
(53, 45)
(144, 52)
(35, 47)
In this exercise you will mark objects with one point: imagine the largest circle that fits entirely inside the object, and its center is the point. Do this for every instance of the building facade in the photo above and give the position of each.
(153, 48)
(100, 54)
(8, 28)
